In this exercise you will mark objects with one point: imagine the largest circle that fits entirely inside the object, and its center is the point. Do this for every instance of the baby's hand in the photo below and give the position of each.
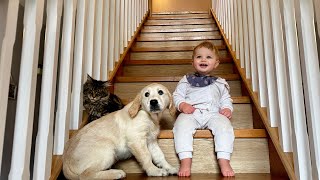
(226, 112)
(186, 108)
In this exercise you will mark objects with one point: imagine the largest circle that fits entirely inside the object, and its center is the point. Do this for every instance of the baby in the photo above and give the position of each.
(205, 103)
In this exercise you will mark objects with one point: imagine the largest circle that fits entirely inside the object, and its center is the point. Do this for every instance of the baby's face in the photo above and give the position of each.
(205, 61)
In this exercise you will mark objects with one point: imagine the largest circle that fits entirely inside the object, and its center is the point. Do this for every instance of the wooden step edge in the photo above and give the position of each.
(179, 12)
(169, 49)
(236, 100)
(122, 79)
(180, 38)
(178, 17)
(56, 167)
(171, 61)
(177, 23)
(239, 133)
(179, 30)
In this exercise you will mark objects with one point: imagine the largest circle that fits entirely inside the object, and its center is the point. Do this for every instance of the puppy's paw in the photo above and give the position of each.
(157, 172)
(172, 170)
(116, 173)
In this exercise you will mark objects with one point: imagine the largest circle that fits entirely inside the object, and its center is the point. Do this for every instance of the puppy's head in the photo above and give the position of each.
(154, 98)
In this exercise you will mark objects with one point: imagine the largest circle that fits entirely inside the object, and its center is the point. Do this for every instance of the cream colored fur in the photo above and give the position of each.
(132, 130)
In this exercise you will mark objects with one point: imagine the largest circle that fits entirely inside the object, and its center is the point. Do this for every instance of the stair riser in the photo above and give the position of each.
(200, 16)
(241, 118)
(245, 159)
(175, 44)
(168, 55)
(180, 34)
(175, 70)
(130, 90)
(182, 26)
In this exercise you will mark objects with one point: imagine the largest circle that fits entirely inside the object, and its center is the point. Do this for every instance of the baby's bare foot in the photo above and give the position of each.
(185, 167)
(225, 167)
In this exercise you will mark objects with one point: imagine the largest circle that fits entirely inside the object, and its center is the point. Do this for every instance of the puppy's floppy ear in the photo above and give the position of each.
(135, 107)
(172, 108)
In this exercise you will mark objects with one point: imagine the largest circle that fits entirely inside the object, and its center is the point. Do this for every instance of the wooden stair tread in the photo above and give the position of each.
(171, 61)
(239, 133)
(166, 49)
(171, 17)
(250, 155)
(188, 26)
(119, 79)
(179, 38)
(204, 29)
(148, 23)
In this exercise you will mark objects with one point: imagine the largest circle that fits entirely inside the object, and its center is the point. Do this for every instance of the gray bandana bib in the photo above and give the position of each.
(198, 80)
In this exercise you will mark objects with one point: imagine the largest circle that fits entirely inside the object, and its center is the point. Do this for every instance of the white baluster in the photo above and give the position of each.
(111, 45)
(97, 40)
(117, 32)
(260, 58)
(273, 106)
(79, 57)
(282, 87)
(302, 161)
(122, 15)
(44, 141)
(246, 39)
(105, 41)
(252, 46)
(62, 122)
(21, 150)
(311, 76)
(241, 36)
(5, 63)
(88, 48)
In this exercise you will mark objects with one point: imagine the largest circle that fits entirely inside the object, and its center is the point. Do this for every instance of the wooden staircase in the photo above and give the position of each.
(162, 53)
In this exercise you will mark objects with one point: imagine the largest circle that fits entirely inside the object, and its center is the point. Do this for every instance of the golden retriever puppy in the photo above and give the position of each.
(132, 130)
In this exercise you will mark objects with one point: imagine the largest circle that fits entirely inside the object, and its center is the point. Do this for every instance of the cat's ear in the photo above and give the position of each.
(106, 83)
(135, 107)
(89, 78)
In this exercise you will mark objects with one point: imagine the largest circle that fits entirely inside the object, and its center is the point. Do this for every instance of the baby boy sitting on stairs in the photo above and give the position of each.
(204, 103)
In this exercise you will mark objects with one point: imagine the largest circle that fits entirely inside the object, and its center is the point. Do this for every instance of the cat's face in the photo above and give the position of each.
(95, 91)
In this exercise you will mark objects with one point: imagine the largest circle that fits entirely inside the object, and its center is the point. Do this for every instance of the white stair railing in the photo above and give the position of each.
(282, 64)
(93, 37)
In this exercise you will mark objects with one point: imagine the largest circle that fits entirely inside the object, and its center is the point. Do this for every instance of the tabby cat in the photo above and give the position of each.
(97, 100)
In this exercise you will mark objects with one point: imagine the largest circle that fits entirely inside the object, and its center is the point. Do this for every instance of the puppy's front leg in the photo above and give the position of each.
(159, 159)
(140, 150)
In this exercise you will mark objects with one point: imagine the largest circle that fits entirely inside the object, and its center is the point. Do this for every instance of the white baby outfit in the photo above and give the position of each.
(208, 101)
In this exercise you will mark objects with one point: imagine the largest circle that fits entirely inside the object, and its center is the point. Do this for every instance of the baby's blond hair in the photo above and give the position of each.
(208, 45)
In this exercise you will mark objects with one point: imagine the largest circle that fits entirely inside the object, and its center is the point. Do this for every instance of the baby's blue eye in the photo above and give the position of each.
(198, 56)
(209, 57)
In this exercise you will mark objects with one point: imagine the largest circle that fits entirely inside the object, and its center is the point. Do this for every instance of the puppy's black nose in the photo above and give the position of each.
(154, 102)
